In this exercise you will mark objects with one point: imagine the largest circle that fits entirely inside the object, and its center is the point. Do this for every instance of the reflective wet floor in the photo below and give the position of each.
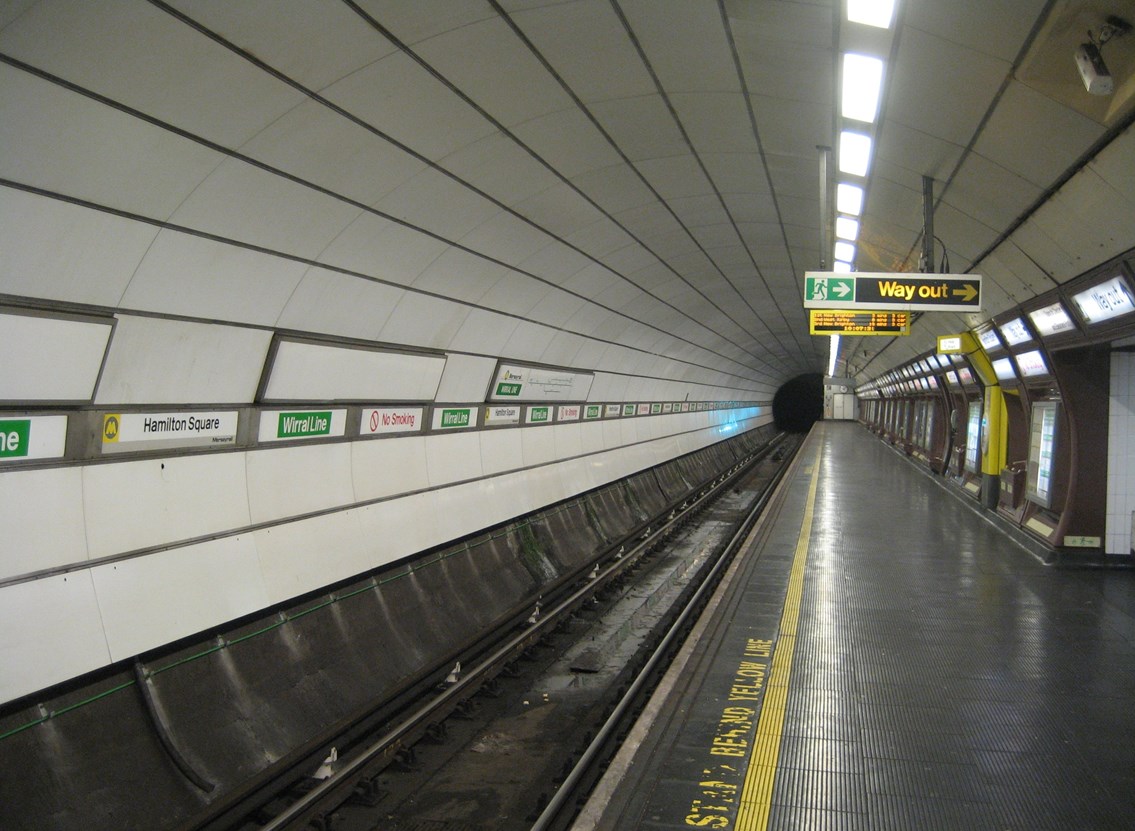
(887, 658)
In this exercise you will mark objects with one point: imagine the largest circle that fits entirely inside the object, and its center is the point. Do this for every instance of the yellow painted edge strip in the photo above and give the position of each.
(756, 793)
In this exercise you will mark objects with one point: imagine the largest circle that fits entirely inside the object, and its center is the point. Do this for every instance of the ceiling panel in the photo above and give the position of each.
(641, 128)
(988, 192)
(588, 47)
(61, 251)
(68, 143)
(1011, 137)
(917, 97)
(482, 58)
(336, 304)
(991, 27)
(144, 58)
(382, 249)
(229, 282)
(628, 179)
(315, 42)
(400, 98)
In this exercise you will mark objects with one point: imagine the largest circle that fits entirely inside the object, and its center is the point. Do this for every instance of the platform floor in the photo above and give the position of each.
(886, 658)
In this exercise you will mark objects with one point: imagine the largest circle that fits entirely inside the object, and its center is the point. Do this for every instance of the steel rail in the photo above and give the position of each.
(335, 789)
(674, 636)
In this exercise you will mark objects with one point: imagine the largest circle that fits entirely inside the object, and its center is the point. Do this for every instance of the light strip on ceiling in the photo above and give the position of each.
(854, 153)
(862, 86)
(877, 13)
(848, 198)
(846, 228)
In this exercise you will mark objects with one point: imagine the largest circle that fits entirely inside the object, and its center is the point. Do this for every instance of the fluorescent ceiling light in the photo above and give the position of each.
(854, 153)
(844, 251)
(848, 199)
(862, 85)
(841, 267)
(846, 228)
(871, 12)
(833, 355)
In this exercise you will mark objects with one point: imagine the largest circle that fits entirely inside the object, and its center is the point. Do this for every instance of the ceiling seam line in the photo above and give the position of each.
(693, 153)
(591, 117)
(386, 33)
(968, 150)
(247, 246)
(764, 164)
(14, 302)
(681, 128)
(448, 174)
(228, 153)
(685, 137)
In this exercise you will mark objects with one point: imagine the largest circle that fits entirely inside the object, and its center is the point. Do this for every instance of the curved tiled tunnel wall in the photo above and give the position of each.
(240, 700)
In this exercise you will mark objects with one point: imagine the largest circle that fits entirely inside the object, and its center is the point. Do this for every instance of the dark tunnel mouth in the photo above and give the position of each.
(799, 403)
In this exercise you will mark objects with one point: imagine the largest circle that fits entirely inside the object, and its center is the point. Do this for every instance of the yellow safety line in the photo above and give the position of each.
(756, 793)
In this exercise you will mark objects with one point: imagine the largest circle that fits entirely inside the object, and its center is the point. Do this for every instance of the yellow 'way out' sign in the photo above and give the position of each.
(892, 292)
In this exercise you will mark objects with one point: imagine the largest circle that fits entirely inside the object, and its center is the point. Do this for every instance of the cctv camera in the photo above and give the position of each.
(1093, 71)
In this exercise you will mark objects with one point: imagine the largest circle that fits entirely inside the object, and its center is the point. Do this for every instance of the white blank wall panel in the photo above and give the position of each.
(157, 501)
(292, 481)
(484, 331)
(51, 631)
(398, 528)
(60, 251)
(152, 600)
(612, 432)
(464, 509)
(50, 359)
(538, 445)
(501, 450)
(420, 320)
(528, 341)
(628, 430)
(386, 467)
(384, 249)
(591, 436)
(154, 361)
(41, 512)
(1087, 214)
(576, 477)
(453, 458)
(544, 485)
(567, 440)
(514, 494)
(297, 557)
(315, 372)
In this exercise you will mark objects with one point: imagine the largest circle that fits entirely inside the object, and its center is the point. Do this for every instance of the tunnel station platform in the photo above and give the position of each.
(883, 656)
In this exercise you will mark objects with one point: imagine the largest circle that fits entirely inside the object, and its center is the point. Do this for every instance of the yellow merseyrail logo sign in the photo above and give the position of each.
(848, 322)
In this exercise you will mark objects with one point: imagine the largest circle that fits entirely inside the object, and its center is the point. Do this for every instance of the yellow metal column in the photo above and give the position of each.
(994, 422)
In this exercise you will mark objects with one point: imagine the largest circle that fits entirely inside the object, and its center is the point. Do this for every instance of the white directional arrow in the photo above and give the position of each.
(841, 290)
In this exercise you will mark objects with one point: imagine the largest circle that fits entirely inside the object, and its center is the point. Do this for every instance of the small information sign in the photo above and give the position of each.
(849, 322)
(295, 425)
(122, 432)
(382, 420)
(32, 437)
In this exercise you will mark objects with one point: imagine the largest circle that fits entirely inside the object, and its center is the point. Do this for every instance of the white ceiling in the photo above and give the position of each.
(629, 186)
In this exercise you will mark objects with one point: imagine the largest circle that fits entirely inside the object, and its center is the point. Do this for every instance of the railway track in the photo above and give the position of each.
(514, 735)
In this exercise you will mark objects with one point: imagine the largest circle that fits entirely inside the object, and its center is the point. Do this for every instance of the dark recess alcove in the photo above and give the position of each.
(799, 403)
